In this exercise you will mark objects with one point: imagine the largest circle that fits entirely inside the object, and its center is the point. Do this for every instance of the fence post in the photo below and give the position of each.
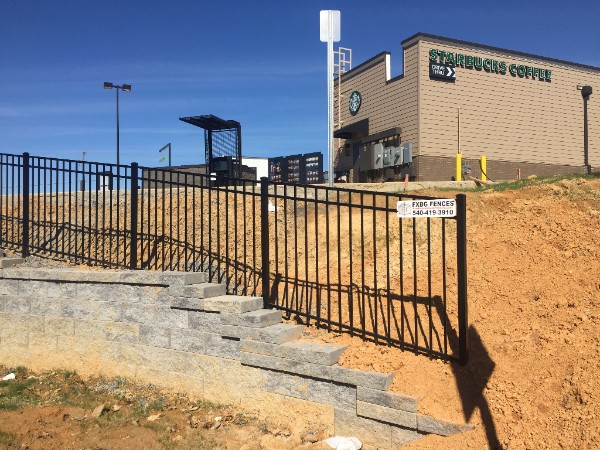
(461, 250)
(25, 235)
(264, 239)
(133, 254)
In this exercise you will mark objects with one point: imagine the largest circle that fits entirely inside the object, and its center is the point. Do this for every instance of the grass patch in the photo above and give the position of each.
(9, 440)
(68, 374)
(14, 393)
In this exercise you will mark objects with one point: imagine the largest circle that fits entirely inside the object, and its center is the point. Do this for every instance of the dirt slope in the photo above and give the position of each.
(534, 299)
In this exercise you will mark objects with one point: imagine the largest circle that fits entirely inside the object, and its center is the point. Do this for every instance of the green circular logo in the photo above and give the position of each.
(355, 102)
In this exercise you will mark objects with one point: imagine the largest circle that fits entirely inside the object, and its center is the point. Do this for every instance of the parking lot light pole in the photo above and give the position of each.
(124, 88)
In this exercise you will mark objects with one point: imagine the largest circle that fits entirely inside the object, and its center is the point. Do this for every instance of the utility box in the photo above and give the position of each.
(377, 162)
(397, 159)
(387, 156)
(407, 153)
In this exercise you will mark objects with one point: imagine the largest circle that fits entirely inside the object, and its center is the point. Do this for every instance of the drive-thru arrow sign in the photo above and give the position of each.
(441, 71)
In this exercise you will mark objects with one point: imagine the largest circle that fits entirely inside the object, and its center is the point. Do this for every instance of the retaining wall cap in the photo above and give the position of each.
(104, 276)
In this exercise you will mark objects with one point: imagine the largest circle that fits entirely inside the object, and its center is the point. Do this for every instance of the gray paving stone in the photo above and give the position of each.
(202, 290)
(256, 319)
(192, 340)
(108, 276)
(119, 292)
(427, 424)
(370, 432)
(236, 304)
(183, 278)
(324, 392)
(155, 336)
(154, 315)
(276, 334)
(385, 414)
(25, 273)
(401, 436)
(285, 365)
(48, 289)
(90, 309)
(9, 287)
(390, 399)
(193, 304)
(373, 380)
(316, 353)
(224, 348)
(59, 325)
(15, 304)
(122, 332)
(205, 321)
(46, 306)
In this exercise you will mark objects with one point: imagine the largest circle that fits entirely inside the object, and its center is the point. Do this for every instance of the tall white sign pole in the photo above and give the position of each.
(330, 33)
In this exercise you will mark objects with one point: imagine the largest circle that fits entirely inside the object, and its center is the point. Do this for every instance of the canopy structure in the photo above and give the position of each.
(222, 138)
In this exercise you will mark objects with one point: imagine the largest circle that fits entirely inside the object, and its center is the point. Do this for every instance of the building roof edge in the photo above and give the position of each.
(441, 39)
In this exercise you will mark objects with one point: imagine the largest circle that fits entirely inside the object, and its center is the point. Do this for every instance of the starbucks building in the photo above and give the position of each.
(461, 101)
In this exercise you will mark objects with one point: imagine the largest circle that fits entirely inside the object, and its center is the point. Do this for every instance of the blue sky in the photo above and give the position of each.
(260, 63)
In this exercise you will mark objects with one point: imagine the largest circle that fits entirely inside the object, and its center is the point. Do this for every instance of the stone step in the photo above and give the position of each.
(392, 400)
(311, 352)
(253, 319)
(192, 296)
(345, 375)
(9, 262)
(275, 334)
(234, 304)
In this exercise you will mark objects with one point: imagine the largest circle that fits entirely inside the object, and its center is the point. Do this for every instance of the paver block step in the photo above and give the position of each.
(255, 319)
(201, 290)
(311, 352)
(235, 304)
(276, 334)
(427, 424)
(375, 380)
(392, 400)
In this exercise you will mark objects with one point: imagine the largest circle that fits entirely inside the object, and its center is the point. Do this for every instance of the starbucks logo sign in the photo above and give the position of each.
(355, 102)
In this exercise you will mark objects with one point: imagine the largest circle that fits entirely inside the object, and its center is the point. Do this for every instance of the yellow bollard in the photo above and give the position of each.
(458, 167)
(483, 168)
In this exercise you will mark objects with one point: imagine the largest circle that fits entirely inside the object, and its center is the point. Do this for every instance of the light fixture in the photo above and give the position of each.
(125, 88)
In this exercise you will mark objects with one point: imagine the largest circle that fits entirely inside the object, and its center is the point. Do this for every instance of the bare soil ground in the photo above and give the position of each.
(534, 305)
(61, 410)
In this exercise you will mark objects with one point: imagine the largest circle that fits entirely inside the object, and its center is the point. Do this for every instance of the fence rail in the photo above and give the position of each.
(336, 258)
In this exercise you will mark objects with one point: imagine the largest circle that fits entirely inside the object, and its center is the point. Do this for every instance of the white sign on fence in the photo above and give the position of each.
(443, 207)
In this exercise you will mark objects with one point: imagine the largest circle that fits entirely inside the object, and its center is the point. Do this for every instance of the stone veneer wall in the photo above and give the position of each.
(178, 331)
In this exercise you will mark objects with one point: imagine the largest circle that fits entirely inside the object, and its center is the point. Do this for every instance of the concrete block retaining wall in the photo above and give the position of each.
(178, 331)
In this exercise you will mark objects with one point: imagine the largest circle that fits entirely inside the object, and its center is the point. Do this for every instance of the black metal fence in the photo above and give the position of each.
(337, 258)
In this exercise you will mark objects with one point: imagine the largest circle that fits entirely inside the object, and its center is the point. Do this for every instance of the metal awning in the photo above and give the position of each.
(210, 122)
(354, 130)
